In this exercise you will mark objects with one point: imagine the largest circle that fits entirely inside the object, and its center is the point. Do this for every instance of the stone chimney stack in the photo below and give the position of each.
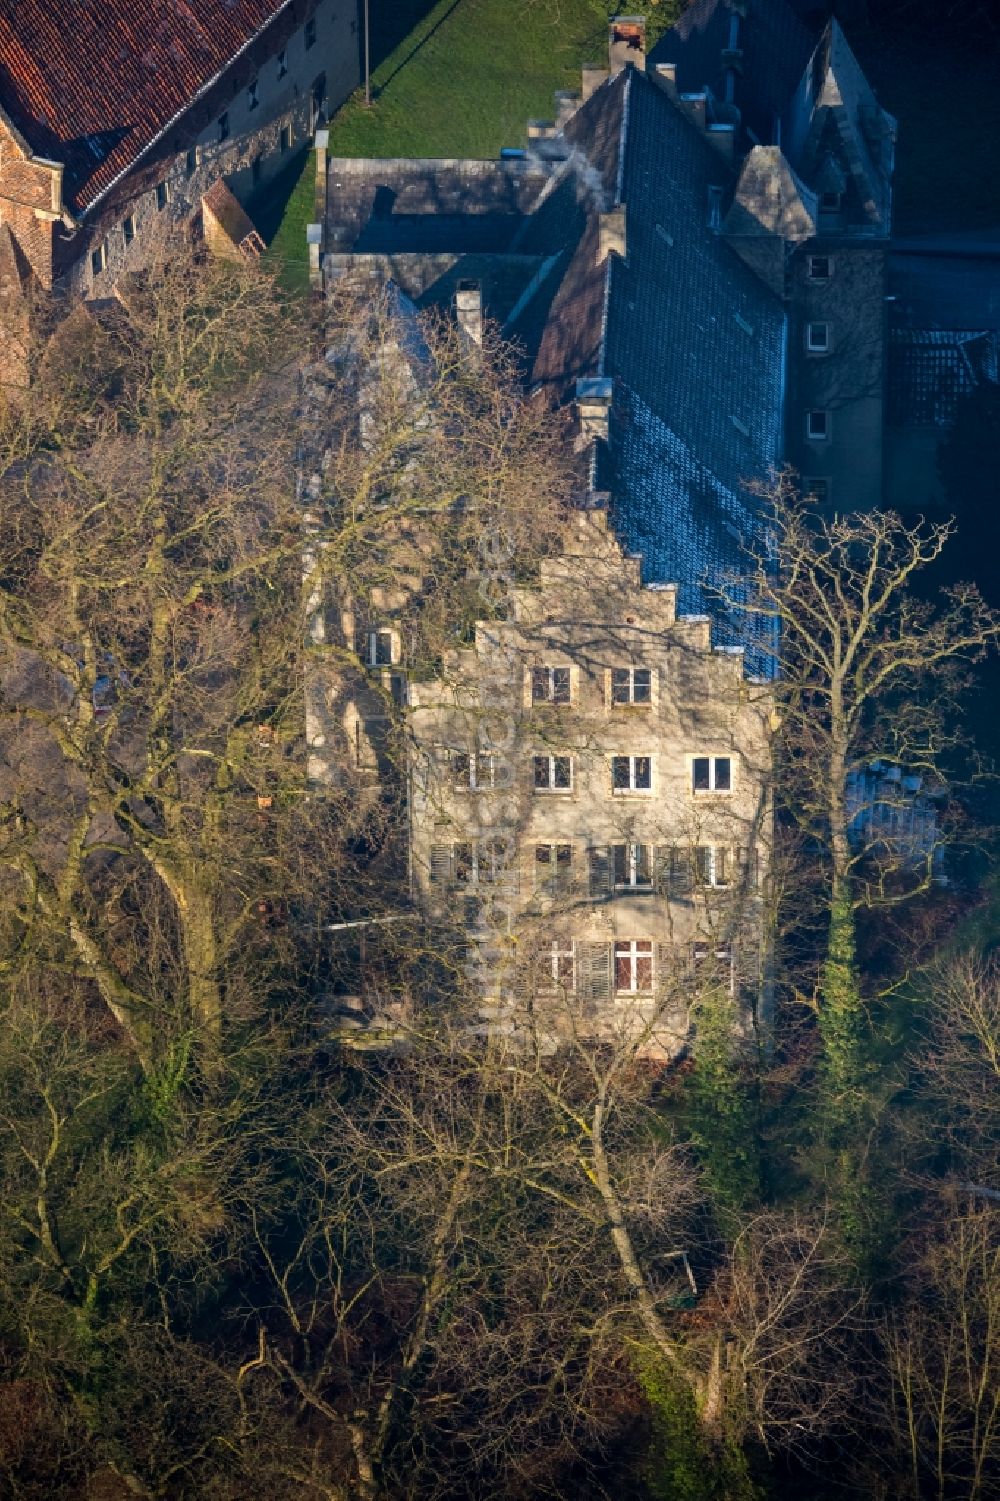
(626, 42)
(611, 233)
(594, 396)
(469, 310)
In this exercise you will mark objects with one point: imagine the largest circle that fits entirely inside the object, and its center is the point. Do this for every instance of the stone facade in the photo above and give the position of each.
(588, 801)
(246, 127)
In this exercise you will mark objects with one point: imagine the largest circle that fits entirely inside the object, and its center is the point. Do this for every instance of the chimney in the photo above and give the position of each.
(695, 106)
(567, 104)
(626, 42)
(665, 74)
(593, 405)
(591, 80)
(611, 233)
(469, 310)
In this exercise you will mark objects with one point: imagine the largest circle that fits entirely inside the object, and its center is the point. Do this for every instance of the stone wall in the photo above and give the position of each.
(30, 202)
(162, 194)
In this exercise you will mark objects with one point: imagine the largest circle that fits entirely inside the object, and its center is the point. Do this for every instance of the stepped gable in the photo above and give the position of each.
(689, 341)
(774, 46)
(95, 93)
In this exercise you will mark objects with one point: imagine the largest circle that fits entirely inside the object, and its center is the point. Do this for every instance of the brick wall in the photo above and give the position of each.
(30, 203)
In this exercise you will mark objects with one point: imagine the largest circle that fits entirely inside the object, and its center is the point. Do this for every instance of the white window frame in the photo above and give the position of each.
(630, 702)
(824, 436)
(720, 953)
(548, 697)
(480, 773)
(632, 950)
(372, 638)
(812, 274)
(561, 951)
(715, 870)
(713, 775)
(811, 328)
(550, 786)
(632, 790)
(633, 862)
(551, 865)
(488, 863)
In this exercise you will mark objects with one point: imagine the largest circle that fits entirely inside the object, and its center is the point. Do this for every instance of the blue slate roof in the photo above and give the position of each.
(692, 340)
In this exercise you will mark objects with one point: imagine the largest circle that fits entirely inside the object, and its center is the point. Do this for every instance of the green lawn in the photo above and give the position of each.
(457, 78)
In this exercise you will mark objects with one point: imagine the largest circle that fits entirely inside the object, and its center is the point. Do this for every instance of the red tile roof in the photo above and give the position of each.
(90, 83)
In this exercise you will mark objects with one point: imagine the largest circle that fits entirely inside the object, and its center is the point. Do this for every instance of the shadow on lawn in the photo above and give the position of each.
(392, 21)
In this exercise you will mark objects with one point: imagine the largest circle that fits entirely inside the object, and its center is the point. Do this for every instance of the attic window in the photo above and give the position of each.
(742, 323)
(714, 207)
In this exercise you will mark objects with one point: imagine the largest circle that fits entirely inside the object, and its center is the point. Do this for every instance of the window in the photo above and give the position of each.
(191, 161)
(632, 866)
(481, 864)
(378, 649)
(476, 772)
(553, 773)
(256, 167)
(253, 97)
(631, 685)
(553, 867)
(161, 195)
(633, 966)
(711, 865)
(818, 338)
(550, 685)
(714, 963)
(128, 228)
(559, 964)
(817, 425)
(631, 773)
(711, 774)
(282, 61)
(816, 490)
(285, 138)
(99, 258)
(819, 268)
(310, 33)
(830, 202)
(715, 208)
(224, 126)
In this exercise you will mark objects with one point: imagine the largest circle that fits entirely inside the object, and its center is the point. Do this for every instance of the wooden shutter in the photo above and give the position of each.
(674, 871)
(441, 865)
(601, 874)
(593, 972)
